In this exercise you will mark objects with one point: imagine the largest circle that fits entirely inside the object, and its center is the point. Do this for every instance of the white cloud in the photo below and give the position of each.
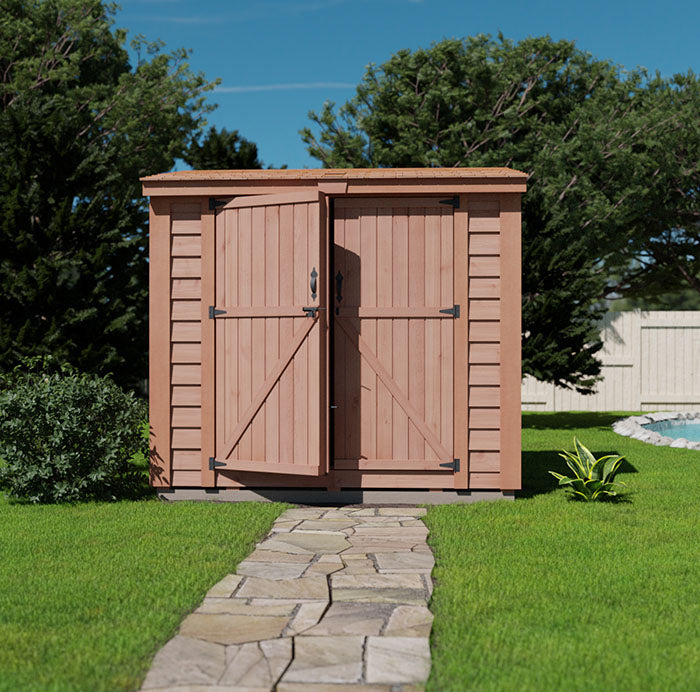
(188, 20)
(265, 9)
(283, 87)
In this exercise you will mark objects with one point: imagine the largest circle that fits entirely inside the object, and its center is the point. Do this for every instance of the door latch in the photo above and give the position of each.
(339, 289)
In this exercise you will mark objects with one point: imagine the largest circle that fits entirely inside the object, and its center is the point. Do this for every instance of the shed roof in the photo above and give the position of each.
(336, 174)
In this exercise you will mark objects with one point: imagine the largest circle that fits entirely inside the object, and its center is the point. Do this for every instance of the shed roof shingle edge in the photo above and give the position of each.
(336, 174)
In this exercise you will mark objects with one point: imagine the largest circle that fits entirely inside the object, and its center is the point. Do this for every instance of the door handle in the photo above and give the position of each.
(339, 288)
(312, 283)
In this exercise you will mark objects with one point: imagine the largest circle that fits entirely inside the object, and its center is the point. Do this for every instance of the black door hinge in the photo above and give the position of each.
(454, 201)
(454, 465)
(214, 203)
(213, 312)
(454, 311)
(213, 463)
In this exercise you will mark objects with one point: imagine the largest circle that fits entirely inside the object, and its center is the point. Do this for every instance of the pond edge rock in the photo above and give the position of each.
(633, 427)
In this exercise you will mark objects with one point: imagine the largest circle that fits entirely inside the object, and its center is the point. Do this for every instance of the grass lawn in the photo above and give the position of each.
(546, 594)
(88, 593)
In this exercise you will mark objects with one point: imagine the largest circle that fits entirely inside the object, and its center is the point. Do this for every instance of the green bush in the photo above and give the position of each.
(594, 479)
(67, 436)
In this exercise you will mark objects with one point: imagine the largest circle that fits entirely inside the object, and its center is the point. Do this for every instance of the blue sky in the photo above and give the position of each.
(279, 59)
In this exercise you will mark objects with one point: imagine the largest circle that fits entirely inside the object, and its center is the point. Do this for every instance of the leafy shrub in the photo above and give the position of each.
(67, 436)
(594, 479)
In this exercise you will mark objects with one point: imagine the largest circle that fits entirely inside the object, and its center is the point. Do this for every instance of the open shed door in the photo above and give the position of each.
(270, 371)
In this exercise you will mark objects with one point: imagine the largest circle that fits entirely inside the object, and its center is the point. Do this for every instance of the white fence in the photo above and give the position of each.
(651, 362)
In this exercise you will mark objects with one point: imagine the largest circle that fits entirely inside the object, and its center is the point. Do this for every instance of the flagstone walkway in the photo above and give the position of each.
(331, 599)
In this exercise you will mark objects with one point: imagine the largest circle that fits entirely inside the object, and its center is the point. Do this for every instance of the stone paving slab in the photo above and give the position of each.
(307, 588)
(186, 661)
(272, 570)
(326, 659)
(330, 600)
(398, 659)
(222, 628)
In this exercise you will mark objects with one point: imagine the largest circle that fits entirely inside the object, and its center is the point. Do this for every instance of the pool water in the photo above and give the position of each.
(688, 429)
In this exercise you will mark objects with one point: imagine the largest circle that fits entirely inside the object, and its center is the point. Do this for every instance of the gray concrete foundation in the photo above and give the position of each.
(340, 497)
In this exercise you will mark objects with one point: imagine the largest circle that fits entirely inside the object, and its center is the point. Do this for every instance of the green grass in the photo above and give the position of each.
(88, 593)
(547, 594)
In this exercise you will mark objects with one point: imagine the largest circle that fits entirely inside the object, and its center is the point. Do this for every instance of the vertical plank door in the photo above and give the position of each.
(394, 316)
(269, 384)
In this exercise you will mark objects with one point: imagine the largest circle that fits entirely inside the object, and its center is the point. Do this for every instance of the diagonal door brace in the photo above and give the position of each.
(247, 418)
(430, 437)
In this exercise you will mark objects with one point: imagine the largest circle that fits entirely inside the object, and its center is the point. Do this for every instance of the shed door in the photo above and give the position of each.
(271, 335)
(393, 334)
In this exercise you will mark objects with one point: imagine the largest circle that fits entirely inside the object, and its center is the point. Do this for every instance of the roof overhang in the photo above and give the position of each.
(349, 181)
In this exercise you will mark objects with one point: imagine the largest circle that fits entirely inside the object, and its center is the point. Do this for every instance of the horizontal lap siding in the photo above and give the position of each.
(185, 346)
(484, 355)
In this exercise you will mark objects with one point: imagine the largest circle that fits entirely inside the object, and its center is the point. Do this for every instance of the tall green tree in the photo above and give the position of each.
(79, 124)
(223, 150)
(588, 135)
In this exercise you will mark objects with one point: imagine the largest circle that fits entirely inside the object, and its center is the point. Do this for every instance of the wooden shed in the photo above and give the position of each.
(338, 332)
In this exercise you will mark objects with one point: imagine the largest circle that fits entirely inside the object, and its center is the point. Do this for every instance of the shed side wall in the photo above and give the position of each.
(159, 342)
(511, 340)
(484, 335)
(186, 342)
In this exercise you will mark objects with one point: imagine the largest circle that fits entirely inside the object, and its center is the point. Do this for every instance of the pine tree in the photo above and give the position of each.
(223, 150)
(78, 126)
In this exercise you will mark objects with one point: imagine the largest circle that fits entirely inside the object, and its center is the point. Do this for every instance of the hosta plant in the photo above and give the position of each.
(594, 479)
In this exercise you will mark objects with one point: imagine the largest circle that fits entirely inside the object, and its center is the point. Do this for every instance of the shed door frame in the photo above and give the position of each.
(305, 325)
(326, 203)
